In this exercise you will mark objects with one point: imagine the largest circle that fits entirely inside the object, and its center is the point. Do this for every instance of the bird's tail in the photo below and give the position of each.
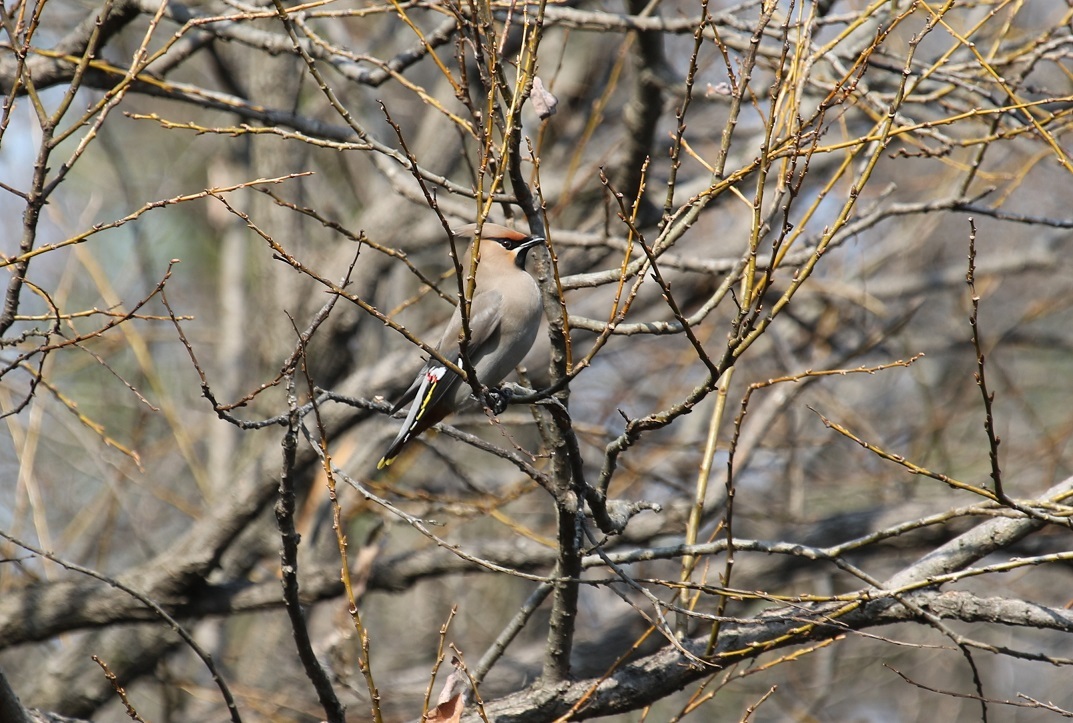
(413, 426)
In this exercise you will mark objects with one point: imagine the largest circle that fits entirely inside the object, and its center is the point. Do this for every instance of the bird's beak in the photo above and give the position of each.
(523, 250)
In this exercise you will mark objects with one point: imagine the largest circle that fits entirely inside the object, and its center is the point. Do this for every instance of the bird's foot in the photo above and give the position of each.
(498, 399)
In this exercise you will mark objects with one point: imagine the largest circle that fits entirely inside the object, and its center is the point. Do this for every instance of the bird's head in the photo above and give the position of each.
(503, 239)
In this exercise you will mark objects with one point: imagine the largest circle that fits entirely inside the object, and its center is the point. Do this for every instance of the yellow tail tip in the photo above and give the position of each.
(384, 462)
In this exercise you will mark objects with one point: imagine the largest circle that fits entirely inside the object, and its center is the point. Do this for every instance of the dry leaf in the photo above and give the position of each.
(448, 712)
(451, 703)
(543, 101)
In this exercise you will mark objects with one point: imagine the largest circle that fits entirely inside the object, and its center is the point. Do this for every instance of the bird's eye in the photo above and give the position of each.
(507, 243)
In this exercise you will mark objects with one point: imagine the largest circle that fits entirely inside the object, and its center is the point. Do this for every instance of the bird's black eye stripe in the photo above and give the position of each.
(508, 244)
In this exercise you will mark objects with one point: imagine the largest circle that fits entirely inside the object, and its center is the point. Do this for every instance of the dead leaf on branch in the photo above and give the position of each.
(452, 700)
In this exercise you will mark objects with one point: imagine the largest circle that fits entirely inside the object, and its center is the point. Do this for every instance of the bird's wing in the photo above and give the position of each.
(427, 389)
(435, 381)
(485, 313)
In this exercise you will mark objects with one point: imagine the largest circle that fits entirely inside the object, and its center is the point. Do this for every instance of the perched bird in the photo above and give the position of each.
(504, 316)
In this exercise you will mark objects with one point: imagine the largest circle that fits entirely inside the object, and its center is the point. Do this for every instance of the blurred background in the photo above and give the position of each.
(812, 177)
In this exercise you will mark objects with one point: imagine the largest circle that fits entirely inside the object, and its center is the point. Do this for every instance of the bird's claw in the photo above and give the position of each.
(498, 399)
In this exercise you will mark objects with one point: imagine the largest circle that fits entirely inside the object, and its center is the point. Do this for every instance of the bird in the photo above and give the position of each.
(504, 316)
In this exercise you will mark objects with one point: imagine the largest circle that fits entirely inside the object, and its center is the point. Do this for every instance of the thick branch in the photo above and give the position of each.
(55, 69)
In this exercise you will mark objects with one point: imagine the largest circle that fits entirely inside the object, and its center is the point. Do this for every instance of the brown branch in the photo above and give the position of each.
(156, 610)
(981, 379)
(84, 40)
(289, 537)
